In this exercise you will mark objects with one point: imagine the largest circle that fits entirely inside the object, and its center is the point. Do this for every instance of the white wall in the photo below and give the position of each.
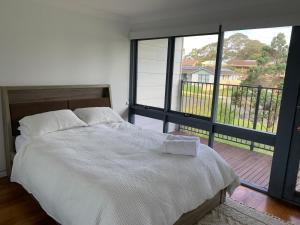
(45, 45)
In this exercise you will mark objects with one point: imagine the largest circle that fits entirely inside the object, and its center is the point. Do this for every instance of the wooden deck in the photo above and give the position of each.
(250, 166)
(253, 167)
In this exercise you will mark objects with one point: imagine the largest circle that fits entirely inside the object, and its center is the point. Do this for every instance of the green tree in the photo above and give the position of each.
(208, 52)
(252, 50)
(266, 56)
(235, 46)
(254, 77)
(270, 62)
(280, 48)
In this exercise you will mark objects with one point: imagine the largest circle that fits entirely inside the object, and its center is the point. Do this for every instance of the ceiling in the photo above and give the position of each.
(139, 11)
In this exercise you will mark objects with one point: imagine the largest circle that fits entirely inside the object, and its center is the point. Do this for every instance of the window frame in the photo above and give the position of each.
(201, 122)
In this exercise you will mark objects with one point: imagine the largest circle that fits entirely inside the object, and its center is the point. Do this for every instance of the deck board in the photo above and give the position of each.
(251, 166)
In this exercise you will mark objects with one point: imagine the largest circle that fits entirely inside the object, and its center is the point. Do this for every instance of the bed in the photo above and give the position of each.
(104, 174)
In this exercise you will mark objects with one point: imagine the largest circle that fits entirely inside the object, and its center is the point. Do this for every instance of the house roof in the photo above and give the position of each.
(210, 70)
(241, 63)
(189, 62)
(189, 69)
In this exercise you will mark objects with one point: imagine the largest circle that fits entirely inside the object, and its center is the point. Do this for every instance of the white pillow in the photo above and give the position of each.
(47, 122)
(96, 115)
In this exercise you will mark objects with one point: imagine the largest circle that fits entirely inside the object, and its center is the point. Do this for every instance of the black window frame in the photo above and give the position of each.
(200, 122)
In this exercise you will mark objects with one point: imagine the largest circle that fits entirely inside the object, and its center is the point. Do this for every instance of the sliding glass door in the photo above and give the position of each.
(224, 87)
(250, 93)
(286, 169)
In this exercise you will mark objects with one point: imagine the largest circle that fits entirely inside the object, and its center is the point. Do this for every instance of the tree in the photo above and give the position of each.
(280, 48)
(266, 56)
(235, 46)
(254, 77)
(239, 46)
(208, 52)
(251, 50)
(271, 64)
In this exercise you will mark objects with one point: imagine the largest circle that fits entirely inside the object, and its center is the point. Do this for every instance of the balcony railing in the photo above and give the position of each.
(238, 105)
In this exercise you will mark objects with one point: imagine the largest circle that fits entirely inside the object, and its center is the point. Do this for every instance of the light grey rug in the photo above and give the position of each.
(234, 213)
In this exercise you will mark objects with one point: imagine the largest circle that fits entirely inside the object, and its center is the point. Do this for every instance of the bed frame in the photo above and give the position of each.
(21, 101)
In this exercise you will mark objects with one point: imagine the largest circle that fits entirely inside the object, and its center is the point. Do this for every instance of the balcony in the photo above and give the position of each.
(242, 106)
(238, 105)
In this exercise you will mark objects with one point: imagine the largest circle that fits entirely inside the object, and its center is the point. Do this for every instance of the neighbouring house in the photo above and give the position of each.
(189, 62)
(208, 63)
(243, 64)
(207, 74)
(229, 76)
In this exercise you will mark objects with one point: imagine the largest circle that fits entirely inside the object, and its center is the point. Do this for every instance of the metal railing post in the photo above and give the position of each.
(256, 113)
(181, 105)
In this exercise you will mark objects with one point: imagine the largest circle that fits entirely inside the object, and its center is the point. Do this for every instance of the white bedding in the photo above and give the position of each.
(20, 141)
(116, 175)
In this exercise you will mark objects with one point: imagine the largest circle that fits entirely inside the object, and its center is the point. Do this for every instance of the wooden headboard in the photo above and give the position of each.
(18, 102)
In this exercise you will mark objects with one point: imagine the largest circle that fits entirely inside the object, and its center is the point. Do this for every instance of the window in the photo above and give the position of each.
(250, 92)
(230, 100)
(148, 123)
(254, 61)
(297, 188)
(151, 72)
(193, 74)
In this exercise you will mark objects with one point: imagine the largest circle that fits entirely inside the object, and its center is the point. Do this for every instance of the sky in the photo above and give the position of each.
(264, 35)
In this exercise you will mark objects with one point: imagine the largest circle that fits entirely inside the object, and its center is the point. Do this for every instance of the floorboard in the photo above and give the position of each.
(251, 166)
(263, 203)
(17, 207)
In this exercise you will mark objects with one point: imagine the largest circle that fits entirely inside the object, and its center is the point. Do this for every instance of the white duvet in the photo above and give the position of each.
(116, 175)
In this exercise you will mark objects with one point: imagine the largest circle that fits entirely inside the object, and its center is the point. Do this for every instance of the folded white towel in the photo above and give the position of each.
(182, 137)
(181, 147)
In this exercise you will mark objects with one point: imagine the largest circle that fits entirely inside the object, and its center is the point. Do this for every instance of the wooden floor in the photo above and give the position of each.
(263, 203)
(18, 208)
